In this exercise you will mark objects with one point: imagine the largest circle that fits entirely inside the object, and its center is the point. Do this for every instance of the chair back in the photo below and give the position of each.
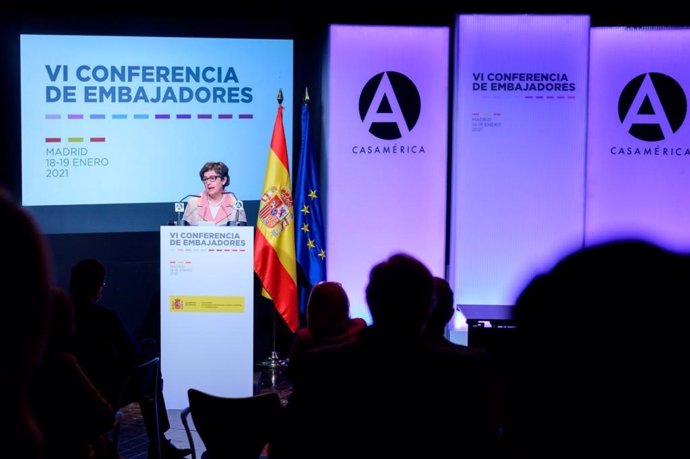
(238, 427)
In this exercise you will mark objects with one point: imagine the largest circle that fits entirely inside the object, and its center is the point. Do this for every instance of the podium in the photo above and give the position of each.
(207, 311)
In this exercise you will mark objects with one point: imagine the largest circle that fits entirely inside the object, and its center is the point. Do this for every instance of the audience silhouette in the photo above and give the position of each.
(73, 415)
(328, 323)
(26, 293)
(441, 313)
(109, 354)
(439, 380)
(601, 341)
(395, 384)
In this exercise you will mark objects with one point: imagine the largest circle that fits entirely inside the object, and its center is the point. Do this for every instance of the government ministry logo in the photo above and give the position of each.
(389, 105)
(652, 107)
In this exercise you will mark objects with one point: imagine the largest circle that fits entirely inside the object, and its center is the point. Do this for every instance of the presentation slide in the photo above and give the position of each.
(116, 128)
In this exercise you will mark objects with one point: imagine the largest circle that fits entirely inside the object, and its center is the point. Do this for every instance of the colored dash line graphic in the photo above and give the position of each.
(224, 116)
(246, 116)
(75, 139)
(75, 116)
(52, 116)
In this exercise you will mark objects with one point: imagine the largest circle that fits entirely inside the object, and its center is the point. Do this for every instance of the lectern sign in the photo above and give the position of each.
(207, 311)
(188, 303)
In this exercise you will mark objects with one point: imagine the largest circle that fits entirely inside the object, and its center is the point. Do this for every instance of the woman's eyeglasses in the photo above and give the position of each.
(211, 179)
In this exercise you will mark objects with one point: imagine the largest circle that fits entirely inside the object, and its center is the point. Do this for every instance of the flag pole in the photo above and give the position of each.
(274, 361)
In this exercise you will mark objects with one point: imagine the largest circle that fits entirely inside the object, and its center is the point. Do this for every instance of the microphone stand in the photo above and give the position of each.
(273, 361)
(179, 208)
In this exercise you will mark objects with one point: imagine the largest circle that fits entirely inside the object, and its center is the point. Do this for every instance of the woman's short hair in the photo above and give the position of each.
(219, 168)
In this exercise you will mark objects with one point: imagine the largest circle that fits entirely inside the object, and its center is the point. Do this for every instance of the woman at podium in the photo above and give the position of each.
(215, 206)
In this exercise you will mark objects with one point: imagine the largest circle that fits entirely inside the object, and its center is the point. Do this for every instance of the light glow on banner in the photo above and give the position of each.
(387, 150)
(638, 153)
(519, 151)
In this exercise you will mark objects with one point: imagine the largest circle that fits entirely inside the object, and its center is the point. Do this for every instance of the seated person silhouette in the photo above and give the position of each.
(601, 341)
(405, 381)
(441, 312)
(440, 315)
(73, 415)
(328, 322)
(25, 286)
(392, 382)
(109, 354)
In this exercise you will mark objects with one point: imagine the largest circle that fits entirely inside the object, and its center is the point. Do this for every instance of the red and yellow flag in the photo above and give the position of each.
(274, 245)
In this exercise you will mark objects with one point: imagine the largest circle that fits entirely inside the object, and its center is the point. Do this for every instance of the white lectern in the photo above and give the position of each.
(207, 311)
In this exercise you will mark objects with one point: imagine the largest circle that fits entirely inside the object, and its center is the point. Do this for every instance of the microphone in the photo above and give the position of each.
(179, 208)
(239, 205)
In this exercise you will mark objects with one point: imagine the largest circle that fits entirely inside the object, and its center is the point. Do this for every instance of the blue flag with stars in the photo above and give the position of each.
(310, 239)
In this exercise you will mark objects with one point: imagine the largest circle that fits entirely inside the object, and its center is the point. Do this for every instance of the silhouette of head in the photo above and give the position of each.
(399, 295)
(328, 309)
(624, 277)
(442, 308)
(86, 280)
(600, 340)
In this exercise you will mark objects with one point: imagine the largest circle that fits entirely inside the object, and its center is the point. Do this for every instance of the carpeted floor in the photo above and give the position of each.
(133, 442)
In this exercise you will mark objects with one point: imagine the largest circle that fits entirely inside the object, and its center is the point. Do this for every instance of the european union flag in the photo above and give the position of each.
(310, 239)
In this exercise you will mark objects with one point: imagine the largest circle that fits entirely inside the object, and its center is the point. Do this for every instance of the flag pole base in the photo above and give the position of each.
(273, 361)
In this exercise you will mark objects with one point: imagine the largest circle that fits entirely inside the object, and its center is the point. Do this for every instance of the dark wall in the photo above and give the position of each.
(132, 261)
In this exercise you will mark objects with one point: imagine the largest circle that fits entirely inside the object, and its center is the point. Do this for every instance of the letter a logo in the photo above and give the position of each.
(652, 106)
(389, 105)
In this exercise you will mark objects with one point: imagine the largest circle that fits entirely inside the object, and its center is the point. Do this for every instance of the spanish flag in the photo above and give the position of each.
(274, 244)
